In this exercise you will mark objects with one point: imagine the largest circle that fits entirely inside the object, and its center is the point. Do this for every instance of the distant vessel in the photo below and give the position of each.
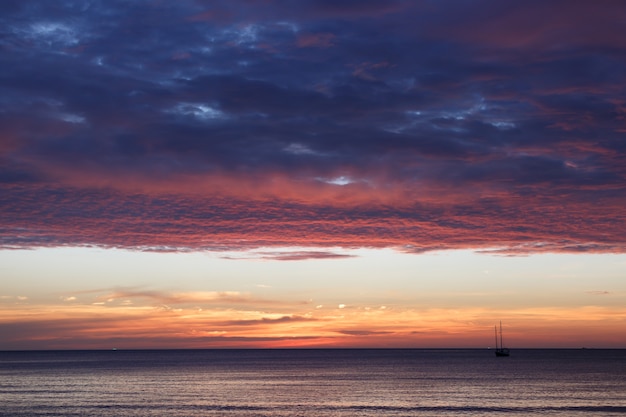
(500, 349)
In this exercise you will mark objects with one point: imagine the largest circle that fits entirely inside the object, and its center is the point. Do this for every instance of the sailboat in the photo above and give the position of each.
(500, 349)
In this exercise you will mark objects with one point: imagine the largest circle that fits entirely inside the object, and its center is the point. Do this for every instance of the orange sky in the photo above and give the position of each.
(150, 326)
(275, 303)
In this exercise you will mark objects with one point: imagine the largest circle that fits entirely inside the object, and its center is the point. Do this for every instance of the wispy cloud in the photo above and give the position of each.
(264, 321)
(302, 255)
(363, 332)
(141, 296)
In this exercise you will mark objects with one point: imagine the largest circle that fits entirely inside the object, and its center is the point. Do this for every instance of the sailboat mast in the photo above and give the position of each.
(495, 328)
(500, 349)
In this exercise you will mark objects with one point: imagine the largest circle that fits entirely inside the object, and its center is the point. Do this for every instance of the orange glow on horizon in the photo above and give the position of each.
(136, 326)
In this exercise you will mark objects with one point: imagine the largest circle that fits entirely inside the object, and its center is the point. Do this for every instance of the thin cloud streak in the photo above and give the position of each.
(164, 299)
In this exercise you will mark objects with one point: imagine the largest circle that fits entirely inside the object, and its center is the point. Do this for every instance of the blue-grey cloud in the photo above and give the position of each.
(377, 123)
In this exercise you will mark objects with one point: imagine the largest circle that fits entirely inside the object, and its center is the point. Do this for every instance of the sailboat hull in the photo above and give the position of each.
(502, 352)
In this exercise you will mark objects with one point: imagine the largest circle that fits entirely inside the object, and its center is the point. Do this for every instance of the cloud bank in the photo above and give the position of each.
(234, 125)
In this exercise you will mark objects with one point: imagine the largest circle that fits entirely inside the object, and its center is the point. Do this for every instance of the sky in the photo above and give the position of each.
(314, 173)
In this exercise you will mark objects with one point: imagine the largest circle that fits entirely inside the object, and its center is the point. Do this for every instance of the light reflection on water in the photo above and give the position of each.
(312, 383)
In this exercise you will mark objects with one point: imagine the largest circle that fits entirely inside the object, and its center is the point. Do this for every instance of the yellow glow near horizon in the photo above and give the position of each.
(95, 298)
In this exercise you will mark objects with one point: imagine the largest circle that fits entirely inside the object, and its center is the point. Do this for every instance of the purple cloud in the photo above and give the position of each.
(201, 125)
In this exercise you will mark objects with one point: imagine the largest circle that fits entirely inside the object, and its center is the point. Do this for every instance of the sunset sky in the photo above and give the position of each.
(329, 173)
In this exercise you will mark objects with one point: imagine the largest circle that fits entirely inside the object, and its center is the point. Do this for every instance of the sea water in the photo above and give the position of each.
(313, 383)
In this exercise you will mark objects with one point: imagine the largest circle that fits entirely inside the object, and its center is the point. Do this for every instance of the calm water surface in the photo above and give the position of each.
(313, 383)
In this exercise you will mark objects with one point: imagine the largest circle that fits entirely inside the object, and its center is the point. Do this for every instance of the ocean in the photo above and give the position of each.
(313, 383)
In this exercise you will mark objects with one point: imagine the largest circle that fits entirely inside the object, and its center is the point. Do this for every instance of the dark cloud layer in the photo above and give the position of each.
(237, 124)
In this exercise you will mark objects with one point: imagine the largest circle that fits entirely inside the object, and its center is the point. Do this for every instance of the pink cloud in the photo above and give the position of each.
(542, 25)
(317, 40)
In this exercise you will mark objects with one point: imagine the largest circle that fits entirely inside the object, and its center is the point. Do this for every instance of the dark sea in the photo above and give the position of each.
(313, 383)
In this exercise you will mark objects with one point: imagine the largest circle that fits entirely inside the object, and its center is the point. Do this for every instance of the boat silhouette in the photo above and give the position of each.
(500, 349)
